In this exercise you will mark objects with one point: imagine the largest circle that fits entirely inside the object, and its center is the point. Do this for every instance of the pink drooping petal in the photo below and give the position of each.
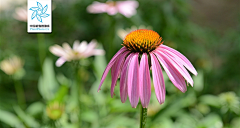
(124, 79)
(178, 66)
(93, 52)
(115, 74)
(60, 61)
(98, 52)
(172, 73)
(110, 64)
(92, 44)
(66, 47)
(133, 81)
(144, 81)
(127, 8)
(116, 63)
(82, 47)
(90, 47)
(76, 44)
(111, 10)
(158, 80)
(57, 50)
(177, 59)
(180, 57)
(113, 69)
(97, 7)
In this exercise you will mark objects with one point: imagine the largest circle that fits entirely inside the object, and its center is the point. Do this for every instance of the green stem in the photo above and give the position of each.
(143, 117)
(76, 95)
(77, 90)
(41, 48)
(20, 93)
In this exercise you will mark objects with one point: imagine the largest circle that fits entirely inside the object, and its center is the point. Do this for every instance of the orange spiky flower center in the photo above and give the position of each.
(142, 40)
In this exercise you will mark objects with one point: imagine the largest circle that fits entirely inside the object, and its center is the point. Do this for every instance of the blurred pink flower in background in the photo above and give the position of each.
(141, 50)
(79, 51)
(126, 8)
(21, 14)
(11, 65)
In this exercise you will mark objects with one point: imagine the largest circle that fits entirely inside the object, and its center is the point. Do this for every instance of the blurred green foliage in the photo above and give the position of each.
(213, 102)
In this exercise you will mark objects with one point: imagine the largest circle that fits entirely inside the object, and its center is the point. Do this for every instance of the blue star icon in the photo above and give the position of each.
(39, 12)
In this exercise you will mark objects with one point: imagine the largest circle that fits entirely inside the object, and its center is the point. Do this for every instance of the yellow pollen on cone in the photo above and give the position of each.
(142, 40)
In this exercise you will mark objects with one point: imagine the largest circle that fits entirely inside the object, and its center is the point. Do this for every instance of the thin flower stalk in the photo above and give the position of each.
(13, 67)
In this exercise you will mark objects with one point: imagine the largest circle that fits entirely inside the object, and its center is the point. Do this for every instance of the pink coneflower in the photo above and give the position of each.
(141, 50)
(79, 51)
(126, 8)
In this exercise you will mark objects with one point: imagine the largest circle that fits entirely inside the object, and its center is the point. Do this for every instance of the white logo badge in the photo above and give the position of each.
(39, 16)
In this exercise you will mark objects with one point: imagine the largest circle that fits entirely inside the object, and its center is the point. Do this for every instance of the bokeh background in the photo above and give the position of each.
(42, 95)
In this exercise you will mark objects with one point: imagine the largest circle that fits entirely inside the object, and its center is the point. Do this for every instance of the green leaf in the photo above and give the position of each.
(212, 121)
(47, 84)
(198, 81)
(62, 92)
(30, 121)
(235, 123)
(10, 119)
(162, 123)
(210, 100)
(89, 116)
(118, 106)
(35, 108)
(99, 97)
(63, 80)
(118, 121)
(100, 64)
(176, 105)
(186, 120)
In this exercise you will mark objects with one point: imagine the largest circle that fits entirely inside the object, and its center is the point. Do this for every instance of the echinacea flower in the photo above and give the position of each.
(79, 51)
(126, 8)
(141, 50)
(21, 14)
(11, 65)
